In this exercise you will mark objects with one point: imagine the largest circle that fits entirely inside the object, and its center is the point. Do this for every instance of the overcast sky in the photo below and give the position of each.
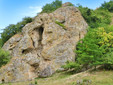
(12, 11)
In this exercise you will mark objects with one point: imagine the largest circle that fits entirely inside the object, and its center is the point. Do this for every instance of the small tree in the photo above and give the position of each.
(0, 42)
(89, 52)
(51, 7)
(95, 18)
(108, 5)
(95, 49)
(4, 57)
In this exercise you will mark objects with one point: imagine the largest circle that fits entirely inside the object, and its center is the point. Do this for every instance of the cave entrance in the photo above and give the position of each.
(3, 81)
(40, 46)
(41, 29)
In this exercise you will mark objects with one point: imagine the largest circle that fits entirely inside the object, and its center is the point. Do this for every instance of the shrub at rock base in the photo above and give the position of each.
(95, 49)
(4, 57)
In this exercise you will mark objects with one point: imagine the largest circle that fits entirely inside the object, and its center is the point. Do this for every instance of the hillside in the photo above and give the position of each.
(59, 46)
(96, 77)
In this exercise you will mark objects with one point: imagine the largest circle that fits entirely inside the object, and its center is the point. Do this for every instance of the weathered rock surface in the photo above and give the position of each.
(44, 46)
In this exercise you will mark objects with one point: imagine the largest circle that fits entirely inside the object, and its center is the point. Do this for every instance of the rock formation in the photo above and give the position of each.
(44, 45)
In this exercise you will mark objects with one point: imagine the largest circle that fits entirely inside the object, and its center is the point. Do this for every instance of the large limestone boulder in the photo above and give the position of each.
(44, 45)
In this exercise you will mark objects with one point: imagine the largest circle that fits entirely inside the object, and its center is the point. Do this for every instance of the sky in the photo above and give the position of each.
(12, 11)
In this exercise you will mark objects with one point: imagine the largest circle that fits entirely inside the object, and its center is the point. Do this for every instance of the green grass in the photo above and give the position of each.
(64, 78)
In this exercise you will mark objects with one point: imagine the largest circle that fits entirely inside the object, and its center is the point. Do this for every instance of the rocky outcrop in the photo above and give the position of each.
(44, 45)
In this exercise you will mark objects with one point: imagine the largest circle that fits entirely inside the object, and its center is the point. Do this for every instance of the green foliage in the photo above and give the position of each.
(10, 84)
(108, 5)
(12, 29)
(108, 58)
(36, 82)
(71, 4)
(89, 52)
(8, 32)
(0, 42)
(52, 6)
(4, 57)
(95, 49)
(70, 65)
(60, 24)
(95, 18)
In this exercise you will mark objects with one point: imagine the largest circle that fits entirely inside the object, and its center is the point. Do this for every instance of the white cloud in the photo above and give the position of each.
(32, 11)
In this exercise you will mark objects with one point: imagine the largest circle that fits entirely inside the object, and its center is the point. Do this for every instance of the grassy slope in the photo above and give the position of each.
(97, 78)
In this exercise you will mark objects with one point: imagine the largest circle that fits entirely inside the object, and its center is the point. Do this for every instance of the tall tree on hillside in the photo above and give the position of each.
(108, 5)
(51, 7)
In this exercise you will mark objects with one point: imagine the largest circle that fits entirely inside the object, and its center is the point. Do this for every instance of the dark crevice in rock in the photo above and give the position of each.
(40, 34)
(3, 80)
(63, 22)
(35, 70)
(35, 66)
(40, 46)
(33, 42)
(41, 19)
(79, 35)
(38, 55)
(40, 37)
(47, 59)
(25, 51)
(11, 45)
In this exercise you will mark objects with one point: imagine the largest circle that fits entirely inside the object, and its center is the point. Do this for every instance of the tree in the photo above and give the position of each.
(4, 57)
(108, 5)
(51, 7)
(95, 49)
(95, 18)
(0, 42)
(89, 52)
(8, 32)
(12, 29)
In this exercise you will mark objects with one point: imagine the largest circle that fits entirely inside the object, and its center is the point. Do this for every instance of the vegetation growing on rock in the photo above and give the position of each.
(60, 24)
(4, 57)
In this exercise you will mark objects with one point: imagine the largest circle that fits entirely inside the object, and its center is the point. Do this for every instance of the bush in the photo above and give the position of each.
(90, 52)
(51, 7)
(36, 82)
(0, 42)
(108, 5)
(71, 4)
(95, 49)
(60, 24)
(95, 18)
(72, 65)
(4, 57)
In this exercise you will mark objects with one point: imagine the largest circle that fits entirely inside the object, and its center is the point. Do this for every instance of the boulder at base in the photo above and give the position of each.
(44, 45)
